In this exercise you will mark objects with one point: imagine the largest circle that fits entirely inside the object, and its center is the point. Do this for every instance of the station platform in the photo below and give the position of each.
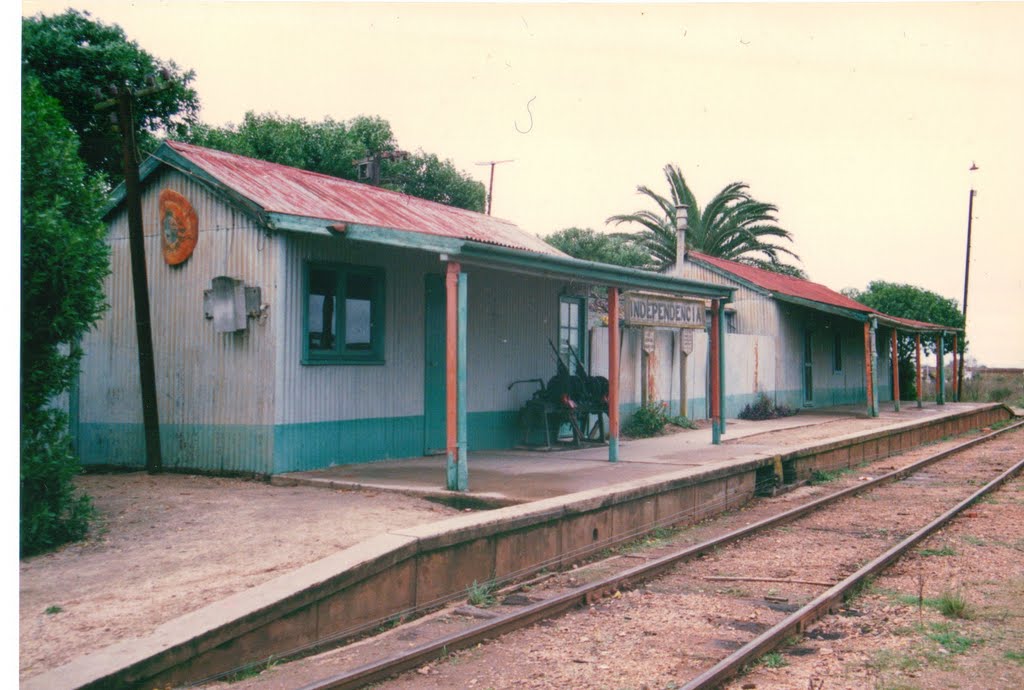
(508, 477)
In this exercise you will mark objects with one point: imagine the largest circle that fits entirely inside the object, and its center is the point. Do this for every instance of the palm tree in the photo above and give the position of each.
(733, 225)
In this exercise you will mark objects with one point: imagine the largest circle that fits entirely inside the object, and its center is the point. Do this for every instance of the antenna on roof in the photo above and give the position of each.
(490, 188)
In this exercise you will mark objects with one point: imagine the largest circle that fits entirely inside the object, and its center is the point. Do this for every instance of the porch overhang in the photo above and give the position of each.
(469, 252)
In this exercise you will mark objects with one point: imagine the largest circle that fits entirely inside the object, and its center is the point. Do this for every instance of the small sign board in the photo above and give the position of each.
(662, 312)
(649, 340)
(686, 341)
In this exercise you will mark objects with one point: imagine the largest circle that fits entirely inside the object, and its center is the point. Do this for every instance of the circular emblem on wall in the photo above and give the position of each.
(179, 227)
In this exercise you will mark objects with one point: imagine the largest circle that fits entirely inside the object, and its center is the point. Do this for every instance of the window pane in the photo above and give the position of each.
(574, 315)
(320, 309)
(358, 312)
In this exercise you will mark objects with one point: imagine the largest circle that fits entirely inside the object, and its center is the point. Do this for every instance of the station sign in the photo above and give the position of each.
(658, 311)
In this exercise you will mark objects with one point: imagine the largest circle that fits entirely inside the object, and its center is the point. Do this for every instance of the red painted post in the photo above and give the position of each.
(613, 374)
(895, 374)
(451, 360)
(956, 384)
(867, 368)
(920, 377)
(716, 344)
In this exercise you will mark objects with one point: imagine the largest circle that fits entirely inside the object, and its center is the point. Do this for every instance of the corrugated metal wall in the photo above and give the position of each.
(334, 414)
(510, 321)
(204, 380)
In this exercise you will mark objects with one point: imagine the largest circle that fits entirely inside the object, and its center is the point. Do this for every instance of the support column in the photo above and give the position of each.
(721, 366)
(716, 381)
(921, 383)
(940, 374)
(455, 377)
(869, 369)
(613, 374)
(895, 374)
(874, 366)
(956, 384)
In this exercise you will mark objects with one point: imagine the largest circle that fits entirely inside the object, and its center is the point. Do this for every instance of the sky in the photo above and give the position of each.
(860, 122)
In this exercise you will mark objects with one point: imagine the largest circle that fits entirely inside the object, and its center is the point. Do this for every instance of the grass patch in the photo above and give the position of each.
(50, 610)
(826, 476)
(949, 604)
(658, 537)
(951, 639)
(888, 660)
(1015, 656)
(773, 660)
(946, 550)
(972, 540)
(252, 671)
(954, 605)
(858, 589)
(481, 594)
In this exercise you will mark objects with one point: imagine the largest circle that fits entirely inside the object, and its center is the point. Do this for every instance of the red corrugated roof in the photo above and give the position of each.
(283, 189)
(783, 284)
(805, 289)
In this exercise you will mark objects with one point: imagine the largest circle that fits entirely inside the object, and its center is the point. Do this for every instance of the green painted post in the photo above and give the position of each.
(463, 469)
(940, 377)
(721, 366)
(874, 367)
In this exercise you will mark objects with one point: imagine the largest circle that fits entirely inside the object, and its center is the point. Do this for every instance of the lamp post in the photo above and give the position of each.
(967, 273)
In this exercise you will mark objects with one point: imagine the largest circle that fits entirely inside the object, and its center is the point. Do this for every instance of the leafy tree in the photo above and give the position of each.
(63, 262)
(911, 302)
(426, 176)
(595, 246)
(333, 148)
(72, 55)
(733, 226)
(327, 147)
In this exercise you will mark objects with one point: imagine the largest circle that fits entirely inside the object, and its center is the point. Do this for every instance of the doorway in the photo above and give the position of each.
(434, 380)
(808, 369)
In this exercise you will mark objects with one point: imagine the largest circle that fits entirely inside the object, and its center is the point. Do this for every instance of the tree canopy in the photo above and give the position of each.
(733, 226)
(911, 302)
(72, 55)
(334, 148)
(63, 262)
(595, 246)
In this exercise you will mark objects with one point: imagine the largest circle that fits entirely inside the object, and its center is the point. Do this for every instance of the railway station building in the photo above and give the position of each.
(302, 321)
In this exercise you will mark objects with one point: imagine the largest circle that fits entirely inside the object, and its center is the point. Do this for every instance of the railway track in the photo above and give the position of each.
(737, 594)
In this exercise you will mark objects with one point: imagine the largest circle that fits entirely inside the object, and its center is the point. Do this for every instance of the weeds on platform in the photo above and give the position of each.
(764, 408)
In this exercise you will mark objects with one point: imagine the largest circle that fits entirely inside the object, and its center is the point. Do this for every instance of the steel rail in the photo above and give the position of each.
(411, 658)
(826, 602)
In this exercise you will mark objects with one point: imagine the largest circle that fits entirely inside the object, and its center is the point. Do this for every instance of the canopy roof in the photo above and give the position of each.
(808, 294)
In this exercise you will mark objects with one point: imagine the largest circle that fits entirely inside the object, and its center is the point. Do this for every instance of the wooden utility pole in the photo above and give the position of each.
(967, 273)
(123, 102)
(490, 187)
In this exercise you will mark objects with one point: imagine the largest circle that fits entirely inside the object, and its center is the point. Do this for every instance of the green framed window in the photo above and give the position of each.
(343, 320)
(572, 328)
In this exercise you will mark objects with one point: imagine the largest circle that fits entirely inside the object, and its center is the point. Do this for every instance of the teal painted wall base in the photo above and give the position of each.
(282, 448)
(209, 447)
(315, 445)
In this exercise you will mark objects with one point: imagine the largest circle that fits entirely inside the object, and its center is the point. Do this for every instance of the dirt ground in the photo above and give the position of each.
(169, 544)
(887, 641)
